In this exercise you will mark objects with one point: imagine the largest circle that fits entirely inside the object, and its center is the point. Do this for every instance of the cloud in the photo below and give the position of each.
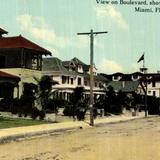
(111, 13)
(38, 28)
(110, 66)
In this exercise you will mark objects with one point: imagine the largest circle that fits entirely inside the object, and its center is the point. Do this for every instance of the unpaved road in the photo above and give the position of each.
(134, 140)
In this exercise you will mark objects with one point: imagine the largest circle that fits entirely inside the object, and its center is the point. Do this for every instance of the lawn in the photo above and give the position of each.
(6, 122)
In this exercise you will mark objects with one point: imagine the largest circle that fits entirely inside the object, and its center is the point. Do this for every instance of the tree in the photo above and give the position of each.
(110, 99)
(26, 102)
(120, 101)
(78, 104)
(45, 91)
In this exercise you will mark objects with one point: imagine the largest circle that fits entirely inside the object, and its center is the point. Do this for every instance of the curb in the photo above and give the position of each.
(19, 137)
(24, 136)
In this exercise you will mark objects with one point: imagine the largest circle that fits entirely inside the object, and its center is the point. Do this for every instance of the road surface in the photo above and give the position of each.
(134, 140)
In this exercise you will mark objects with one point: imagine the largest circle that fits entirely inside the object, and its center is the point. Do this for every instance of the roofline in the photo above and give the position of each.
(45, 52)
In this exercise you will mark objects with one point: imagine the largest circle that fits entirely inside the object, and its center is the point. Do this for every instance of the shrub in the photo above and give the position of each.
(51, 106)
(15, 106)
(35, 113)
(38, 113)
(68, 110)
(153, 105)
(80, 115)
(42, 114)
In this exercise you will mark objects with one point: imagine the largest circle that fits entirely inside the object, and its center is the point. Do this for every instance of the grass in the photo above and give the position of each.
(6, 122)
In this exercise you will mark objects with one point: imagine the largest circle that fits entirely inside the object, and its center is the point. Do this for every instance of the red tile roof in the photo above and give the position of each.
(21, 42)
(2, 31)
(7, 75)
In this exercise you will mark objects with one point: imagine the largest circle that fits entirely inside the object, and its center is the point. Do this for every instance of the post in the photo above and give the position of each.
(146, 100)
(91, 80)
(91, 33)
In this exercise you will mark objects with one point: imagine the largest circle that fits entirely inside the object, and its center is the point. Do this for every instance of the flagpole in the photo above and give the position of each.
(144, 60)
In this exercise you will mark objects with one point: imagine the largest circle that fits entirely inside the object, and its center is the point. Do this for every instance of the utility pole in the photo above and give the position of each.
(144, 71)
(91, 34)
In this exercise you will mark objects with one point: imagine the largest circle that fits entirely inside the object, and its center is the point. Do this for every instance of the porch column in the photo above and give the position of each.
(16, 92)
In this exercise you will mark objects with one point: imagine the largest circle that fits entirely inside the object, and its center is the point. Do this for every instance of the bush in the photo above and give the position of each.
(6, 104)
(153, 105)
(15, 106)
(35, 113)
(68, 110)
(80, 115)
(51, 106)
(42, 114)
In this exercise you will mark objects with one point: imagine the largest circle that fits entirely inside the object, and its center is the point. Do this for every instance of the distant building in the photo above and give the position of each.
(135, 82)
(21, 57)
(72, 74)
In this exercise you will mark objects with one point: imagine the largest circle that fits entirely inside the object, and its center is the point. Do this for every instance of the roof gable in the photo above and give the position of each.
(21, 42)
(127, 86)
(54, 64)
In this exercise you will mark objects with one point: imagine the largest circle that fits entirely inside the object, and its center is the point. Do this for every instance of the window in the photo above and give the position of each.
(135, 77)
(95, 84)
(79, 81)
(68, 80)
(85, 82)
(63, 79)
(153, 84)
(154, 93)
(100, 85)
(71, 80)
(115, 77)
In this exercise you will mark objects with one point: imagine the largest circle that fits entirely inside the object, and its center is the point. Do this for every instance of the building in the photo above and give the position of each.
(136, 82)
(8, 83)
(21, 57)
(72, 74)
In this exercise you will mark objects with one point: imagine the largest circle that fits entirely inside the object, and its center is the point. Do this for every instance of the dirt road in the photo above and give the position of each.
(135, 140)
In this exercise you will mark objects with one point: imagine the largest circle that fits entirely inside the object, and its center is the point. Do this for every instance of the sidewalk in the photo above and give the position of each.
(11, 134)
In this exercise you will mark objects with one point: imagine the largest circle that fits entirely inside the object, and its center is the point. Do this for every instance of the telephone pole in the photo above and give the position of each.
(91, 34)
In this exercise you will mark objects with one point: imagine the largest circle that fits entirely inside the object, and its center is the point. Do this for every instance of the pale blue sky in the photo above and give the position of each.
(54, 25)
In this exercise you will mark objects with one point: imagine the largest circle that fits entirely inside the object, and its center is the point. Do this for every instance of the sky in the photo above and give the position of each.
(54, 25)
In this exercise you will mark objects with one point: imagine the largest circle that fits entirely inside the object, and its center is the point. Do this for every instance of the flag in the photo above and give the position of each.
(141, 58)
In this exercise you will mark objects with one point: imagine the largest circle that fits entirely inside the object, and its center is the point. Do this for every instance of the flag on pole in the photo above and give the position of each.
(141, 58)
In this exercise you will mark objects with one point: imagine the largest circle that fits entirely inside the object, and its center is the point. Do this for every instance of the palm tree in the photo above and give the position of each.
(79, 104)
(45, 91)
(110, 99)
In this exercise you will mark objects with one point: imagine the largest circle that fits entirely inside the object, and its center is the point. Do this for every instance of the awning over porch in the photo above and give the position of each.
(6, 77)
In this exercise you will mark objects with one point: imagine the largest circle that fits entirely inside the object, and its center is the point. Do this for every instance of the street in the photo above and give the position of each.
(133, 140)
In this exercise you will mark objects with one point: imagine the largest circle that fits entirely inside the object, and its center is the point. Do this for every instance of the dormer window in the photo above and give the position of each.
(71, 66)
(135, 77)
(115, 78)
(80, 69)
